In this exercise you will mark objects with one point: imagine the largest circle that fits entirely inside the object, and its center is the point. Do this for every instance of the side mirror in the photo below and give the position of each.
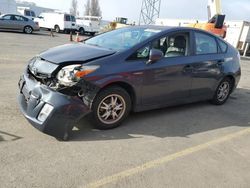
(154, 56)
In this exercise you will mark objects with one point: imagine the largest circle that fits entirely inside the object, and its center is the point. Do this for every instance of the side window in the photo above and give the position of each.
(205, 44)
(67, 18)
(8, 17)
(33, 14)
(27, 13)
(173, 45)
(19, 18)
(73, 19)
(223, 46)
(142, 53)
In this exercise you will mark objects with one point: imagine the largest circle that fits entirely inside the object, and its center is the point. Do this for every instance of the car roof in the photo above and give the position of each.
(13, 15)
(173, 28)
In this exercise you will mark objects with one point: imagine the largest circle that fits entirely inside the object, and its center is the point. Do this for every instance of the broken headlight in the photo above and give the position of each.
(70, 75)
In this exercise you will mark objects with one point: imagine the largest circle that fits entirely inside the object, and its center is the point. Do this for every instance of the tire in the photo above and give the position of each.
(222, 92)
(92, 34)
(57, 29)
(82, 31)
(28, 30)
(110, 108)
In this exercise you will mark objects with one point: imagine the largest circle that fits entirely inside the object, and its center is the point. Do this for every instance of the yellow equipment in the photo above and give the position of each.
(216, 20)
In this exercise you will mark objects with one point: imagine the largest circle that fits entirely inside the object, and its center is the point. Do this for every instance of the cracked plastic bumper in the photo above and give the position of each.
(66, 111)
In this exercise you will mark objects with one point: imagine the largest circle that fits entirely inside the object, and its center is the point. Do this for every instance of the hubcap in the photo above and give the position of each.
(28, 30)
(223, 91)
(111, 109)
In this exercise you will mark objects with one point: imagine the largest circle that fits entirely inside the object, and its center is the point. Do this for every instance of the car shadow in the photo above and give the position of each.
(36, 33)
(180, 121)
(11, 136)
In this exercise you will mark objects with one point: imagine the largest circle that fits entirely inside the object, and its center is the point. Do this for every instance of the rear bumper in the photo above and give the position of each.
(66, 110)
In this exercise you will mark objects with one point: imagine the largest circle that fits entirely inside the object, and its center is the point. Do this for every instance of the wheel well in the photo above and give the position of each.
(28, 26)
(232, 80)
(127, 87)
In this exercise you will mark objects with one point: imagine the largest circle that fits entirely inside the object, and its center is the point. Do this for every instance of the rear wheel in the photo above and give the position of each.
(28, 29)
(222, 92)
(82, 31)
(57, 29)
(110, 108)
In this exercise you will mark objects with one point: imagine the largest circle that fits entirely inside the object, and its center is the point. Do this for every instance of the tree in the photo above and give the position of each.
(92, 8)
(73, 9)
(87, 8)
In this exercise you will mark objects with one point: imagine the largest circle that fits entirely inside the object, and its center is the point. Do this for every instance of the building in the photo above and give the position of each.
(32, 6)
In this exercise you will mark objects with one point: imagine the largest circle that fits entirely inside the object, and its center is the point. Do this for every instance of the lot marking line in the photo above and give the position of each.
(164, 160)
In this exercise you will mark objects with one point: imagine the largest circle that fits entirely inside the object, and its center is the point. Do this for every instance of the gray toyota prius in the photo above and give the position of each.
(130, 69)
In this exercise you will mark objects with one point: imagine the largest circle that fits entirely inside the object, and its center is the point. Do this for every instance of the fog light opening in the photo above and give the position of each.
(45, 112)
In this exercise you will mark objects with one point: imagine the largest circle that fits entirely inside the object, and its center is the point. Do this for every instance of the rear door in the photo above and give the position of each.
(20, 22)
(207, 66)
(69, 21)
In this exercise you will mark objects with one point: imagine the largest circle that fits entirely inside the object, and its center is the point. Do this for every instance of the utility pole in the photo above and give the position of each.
(150, 10)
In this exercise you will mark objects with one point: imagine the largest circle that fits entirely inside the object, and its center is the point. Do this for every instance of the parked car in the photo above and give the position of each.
(130, 69)
(18, 22)
(88, 24)
(58, 21)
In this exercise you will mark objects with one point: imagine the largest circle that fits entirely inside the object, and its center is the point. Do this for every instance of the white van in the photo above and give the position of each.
(27, 12)
(88, 24)
(58, 21)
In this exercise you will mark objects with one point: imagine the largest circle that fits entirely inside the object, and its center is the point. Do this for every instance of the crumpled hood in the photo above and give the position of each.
(78, 52)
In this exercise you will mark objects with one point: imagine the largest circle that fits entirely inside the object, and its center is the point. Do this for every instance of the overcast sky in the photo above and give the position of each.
(185, 9)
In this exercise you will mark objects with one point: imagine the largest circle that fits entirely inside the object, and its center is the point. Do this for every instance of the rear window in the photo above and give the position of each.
(223, 46)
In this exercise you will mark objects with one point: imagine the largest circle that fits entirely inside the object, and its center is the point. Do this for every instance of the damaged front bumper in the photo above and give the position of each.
(47, 110)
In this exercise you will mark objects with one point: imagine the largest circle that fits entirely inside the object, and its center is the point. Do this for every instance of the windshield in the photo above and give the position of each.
(122, 39)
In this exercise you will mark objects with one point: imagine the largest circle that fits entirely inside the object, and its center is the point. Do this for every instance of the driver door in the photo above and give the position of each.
(5, 22)
(168, 81)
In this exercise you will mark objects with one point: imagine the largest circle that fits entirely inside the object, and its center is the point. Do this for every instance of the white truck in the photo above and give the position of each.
(27, 12)
(57, 21)
(88, 24)
(238, 34)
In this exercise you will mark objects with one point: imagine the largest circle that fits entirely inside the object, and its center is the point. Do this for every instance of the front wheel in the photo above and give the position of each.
(28, 30)
(222, 92)
(110, 108)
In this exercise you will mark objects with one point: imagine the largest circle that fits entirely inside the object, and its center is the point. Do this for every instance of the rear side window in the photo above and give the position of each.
(205, 44)
(223, 46)
(19, 18)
